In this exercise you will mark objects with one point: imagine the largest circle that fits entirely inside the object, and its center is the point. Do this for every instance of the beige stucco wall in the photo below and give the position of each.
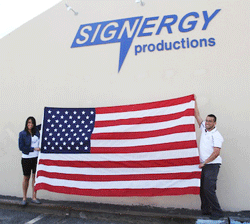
(38, 68)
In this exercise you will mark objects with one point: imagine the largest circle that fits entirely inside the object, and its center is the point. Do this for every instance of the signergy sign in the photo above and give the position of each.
(124, 30)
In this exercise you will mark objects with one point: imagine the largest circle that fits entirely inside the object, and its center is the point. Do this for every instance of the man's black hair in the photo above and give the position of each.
(213, 116)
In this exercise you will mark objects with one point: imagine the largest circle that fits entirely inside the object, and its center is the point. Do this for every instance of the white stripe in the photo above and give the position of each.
(186, 136)
(145, 113)
(119, 171)
(169, 154)
(35, 219)
(145, 127)
(138, 184)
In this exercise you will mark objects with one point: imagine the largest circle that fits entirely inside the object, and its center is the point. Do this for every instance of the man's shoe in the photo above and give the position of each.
(35, 201)
(24, 202)
(206, 213)
(216, 217)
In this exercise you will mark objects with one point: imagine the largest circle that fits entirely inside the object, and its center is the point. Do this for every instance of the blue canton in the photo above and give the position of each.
(67, 130)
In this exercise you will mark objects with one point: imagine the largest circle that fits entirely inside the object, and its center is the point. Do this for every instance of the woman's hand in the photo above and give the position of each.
(37, 149)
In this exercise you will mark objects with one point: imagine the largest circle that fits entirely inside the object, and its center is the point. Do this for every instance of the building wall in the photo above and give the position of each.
(39, 68)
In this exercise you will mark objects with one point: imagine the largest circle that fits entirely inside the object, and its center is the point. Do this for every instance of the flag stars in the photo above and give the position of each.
(68, 129)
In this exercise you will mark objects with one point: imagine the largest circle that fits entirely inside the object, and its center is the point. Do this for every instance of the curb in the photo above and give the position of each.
(144, 214)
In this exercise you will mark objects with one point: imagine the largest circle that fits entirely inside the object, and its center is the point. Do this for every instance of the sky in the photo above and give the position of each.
(14, 13)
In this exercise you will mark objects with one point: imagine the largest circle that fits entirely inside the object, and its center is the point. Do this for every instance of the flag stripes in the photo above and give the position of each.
(145, 149)
(145, 134)
(84, 177)
(149, 192)
(157, 147)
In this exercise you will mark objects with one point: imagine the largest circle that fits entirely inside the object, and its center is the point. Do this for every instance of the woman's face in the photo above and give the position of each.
(30, 125)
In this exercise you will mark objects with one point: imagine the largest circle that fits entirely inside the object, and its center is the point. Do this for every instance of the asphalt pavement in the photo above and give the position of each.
(121, 213)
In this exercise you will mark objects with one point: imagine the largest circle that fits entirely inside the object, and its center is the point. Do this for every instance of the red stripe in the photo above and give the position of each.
(145, 120)
(146, 148)
(122, 164)
(99, 178)
(119, 192)
(145, 134)
(144, 106)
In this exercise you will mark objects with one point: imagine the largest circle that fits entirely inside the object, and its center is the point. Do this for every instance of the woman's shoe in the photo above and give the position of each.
(35, 201)
(24, 202)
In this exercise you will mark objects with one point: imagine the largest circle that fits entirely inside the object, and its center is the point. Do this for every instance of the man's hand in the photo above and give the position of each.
(197, 113)
(212, 157)
(37, 149)
(201, 165)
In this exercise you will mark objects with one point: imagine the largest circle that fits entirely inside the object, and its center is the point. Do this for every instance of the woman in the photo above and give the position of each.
(29, 145)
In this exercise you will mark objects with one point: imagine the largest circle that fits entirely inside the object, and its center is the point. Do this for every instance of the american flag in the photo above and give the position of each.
(146, 149)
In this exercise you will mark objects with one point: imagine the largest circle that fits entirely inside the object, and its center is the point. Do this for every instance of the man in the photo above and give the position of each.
(210, 146)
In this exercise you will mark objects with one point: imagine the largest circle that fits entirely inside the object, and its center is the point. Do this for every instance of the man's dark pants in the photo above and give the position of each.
(209, 201)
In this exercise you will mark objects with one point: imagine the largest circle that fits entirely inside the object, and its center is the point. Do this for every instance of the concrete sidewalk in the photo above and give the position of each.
(143, 214)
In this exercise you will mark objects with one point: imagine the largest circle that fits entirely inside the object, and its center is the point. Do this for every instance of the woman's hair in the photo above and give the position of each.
(33, 130)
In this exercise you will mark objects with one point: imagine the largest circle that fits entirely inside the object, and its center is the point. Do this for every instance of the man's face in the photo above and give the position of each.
(210, 123)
